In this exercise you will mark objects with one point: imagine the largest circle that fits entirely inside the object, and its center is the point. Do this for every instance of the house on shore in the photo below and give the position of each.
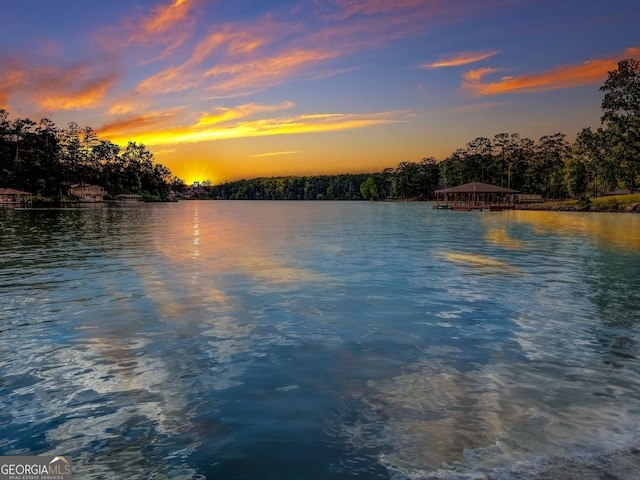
(624, 191)
(87, 193)
(10, 197)
(529, 198)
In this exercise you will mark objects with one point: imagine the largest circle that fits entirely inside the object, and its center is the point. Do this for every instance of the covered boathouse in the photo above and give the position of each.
(10, 197)
(475, 196)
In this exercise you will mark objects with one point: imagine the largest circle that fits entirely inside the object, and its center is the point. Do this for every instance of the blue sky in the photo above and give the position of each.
(221, 89)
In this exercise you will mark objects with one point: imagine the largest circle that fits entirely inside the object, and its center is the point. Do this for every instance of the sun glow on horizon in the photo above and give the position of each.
(190, 171)
(259, 89)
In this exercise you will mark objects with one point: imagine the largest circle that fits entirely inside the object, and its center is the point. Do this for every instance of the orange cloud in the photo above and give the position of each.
(243, 58)
(166, 17)
(567, 76)
(232, 40)
(476, 75)
(248, 57)
(274, 154)
(223, 114)
(232, 48)
(128, 128)
(121, 107)
(168, 25)
(89, 95)
(172, 79)
(348, 8)
(237, 77)
(161, 129)
(249, 77)
(243, 44)
(11, 78)
(74, 87)
(458, 59)
(379, 22)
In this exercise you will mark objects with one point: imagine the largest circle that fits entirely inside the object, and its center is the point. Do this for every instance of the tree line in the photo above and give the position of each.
(45, 160)
(598, 161)
(317, 187)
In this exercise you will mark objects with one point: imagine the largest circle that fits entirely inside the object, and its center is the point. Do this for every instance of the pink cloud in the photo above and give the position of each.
(89, 94)
(75, 87)
(168, 25)
(349, 8)
(590, 72)
(459, 59)
(166, 17)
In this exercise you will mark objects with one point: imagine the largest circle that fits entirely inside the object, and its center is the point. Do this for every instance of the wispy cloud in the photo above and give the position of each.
(120, 107)
(71, 87)
(88, 94)
(274, 154)
(166, 17)
(225, 114)
(244, 78)
(462, 58)
(476, 75)
(246, 57)
(348, 8)
(227, 60)
(12, 76)
(168, 130)
(472, 107)
(129, 128)
(168, 25)
(566, 76)
(238, 59)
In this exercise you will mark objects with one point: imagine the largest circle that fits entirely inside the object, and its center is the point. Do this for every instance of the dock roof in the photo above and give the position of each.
(12, 191)
(476, 187)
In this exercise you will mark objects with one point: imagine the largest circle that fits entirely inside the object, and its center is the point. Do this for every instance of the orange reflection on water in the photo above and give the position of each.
(488, 264)
(216, 240)
(499, 236)
(616, 230)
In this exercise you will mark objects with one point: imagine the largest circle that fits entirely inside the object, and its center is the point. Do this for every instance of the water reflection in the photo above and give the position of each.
(617, 301)
(608, 229)
(172, 341)
(482, 262)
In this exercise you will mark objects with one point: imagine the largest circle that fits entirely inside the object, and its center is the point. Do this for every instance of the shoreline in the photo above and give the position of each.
(612, 206)
(574, 207)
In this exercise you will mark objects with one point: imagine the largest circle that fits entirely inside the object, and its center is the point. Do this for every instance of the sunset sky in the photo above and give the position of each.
(227, 89)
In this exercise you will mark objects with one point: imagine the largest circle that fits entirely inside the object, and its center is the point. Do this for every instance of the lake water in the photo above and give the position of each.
(321, 340)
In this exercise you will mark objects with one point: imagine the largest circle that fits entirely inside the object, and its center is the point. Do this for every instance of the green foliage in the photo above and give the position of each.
(611, 204)
(615, 202)
(576, 177)
(45, 160)
(415, 180)
(319, 187)
(621, 117)
(369, 189)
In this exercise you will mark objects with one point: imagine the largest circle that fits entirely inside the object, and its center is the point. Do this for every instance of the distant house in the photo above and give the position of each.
(619, 192)
(87, 193)
(197, 191)
(129, 198)
(529, 198)
(12, 197)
